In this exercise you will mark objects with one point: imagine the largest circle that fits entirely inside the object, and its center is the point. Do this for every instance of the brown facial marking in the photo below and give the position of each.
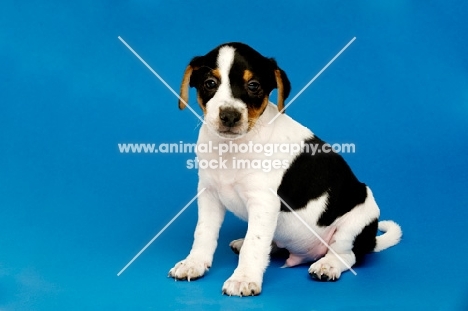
(279, 84)
(255, 113)
(216, 74)
(248, 75)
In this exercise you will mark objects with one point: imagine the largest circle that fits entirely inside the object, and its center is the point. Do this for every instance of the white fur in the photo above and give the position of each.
(392, 235)
(223, 97)
(348, 227)
(245, 192)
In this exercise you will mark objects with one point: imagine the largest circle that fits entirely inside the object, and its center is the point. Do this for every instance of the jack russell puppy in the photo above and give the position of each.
(308, 203)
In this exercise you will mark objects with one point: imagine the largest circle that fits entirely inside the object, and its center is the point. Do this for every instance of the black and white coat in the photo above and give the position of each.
(233, 83)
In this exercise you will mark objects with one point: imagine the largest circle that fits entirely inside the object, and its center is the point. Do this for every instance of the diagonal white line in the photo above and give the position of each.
(315, 233)
(313, 79)
(160, 78)
(160, 232)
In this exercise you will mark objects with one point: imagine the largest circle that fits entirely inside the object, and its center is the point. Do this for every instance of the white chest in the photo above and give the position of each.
(246, 168)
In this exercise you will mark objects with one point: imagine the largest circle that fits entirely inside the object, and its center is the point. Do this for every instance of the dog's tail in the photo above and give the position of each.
(391, 236)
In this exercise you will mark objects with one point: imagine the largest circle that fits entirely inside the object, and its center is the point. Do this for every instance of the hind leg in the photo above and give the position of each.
(354, 238)
(330, 267)
(236, 246)
(348, 249)
(339, 257)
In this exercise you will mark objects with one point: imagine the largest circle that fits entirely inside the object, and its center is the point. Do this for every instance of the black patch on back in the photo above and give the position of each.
(311, 175)
(365, 241)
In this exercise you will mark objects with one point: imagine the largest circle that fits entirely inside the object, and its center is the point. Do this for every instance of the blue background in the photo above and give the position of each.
(74, 210)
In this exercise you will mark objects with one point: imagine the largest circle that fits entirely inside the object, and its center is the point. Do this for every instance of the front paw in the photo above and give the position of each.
(242, 286)
(189, 269)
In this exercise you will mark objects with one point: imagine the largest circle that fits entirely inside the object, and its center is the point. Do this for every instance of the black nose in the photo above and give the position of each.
(229, 117)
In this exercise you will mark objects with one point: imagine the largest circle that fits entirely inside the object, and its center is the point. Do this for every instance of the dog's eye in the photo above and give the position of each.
(253, 86)
(211, 84)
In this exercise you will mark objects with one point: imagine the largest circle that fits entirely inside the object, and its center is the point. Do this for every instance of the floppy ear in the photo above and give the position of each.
(284, 88)
(184, 87)
(187, 82)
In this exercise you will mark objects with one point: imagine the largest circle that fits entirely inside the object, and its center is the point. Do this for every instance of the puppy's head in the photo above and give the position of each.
(233, 84)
